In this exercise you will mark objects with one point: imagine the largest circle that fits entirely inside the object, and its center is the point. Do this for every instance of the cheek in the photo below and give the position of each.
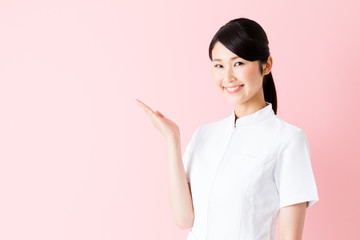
(216, 75)
(217, 82)
(251, 75)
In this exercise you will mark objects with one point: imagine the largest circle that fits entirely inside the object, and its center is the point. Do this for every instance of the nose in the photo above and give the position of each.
(229, 76)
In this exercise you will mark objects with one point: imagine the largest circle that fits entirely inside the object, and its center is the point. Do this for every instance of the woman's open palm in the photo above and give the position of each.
(167, 127)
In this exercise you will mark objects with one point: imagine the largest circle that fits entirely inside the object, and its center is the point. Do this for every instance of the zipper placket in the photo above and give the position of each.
(212, 185)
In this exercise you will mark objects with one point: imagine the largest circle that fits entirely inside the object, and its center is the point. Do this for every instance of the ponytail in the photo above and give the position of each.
(270, 91)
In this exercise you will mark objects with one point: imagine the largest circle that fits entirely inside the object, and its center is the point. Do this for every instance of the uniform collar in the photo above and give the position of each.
(252, 118)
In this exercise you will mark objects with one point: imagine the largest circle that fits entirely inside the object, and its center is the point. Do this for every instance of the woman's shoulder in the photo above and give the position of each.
(287, 129)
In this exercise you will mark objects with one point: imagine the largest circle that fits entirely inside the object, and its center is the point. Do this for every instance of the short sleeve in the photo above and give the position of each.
(293, 173)
(188, 154)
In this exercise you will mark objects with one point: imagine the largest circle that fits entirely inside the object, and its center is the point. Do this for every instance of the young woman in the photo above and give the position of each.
(239, 174)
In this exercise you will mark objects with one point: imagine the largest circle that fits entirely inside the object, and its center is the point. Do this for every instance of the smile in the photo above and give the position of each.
(234, 89)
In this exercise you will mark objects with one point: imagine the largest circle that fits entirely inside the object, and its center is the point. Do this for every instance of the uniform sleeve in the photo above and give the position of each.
(293, 173)
(188, 155)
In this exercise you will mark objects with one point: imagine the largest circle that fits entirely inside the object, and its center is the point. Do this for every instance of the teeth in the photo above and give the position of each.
(231, 89)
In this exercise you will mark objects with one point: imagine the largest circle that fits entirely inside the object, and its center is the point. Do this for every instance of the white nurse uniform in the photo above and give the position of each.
(241, 173)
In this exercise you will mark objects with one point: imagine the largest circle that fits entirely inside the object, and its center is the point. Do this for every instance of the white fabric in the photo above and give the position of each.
(242, 174)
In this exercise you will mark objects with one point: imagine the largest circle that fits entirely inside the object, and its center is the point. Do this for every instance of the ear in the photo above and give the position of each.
(268, 65)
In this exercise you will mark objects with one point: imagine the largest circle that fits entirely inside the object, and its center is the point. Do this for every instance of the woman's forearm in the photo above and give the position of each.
(179, 190)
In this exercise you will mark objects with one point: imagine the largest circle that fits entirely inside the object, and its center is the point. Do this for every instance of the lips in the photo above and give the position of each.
(234, 88)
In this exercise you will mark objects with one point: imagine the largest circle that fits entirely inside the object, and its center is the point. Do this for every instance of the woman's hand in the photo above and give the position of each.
(167, 127)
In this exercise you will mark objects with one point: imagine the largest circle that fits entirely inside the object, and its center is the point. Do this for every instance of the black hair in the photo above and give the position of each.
(248, 40)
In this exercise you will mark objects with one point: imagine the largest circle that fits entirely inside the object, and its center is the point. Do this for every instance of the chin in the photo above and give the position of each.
(234, 100)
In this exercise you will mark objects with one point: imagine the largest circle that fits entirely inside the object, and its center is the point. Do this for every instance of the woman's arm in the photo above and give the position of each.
(292, 220)
(179, 189)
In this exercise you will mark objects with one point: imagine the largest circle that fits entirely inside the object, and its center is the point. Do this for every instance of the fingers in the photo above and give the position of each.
(147, 109)
(144, 106)
(160, 114)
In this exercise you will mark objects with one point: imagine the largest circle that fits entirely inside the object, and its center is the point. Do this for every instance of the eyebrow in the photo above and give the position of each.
(230, 58)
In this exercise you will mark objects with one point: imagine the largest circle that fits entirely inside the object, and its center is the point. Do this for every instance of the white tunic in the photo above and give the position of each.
(242, 174)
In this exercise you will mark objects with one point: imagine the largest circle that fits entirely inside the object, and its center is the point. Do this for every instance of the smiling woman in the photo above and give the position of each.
(249, 168)
(237, 175)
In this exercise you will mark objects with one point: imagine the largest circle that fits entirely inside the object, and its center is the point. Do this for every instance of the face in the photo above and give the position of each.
(229, 71)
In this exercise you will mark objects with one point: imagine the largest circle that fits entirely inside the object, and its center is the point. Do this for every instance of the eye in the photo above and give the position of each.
(235, 64)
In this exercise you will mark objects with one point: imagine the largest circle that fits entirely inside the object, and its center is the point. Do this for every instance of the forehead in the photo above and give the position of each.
(221, 53)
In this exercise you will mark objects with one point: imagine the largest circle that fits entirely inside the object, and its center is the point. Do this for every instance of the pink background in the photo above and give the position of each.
(80, 160)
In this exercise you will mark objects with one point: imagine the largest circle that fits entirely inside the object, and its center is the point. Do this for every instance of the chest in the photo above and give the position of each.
(226, 164)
